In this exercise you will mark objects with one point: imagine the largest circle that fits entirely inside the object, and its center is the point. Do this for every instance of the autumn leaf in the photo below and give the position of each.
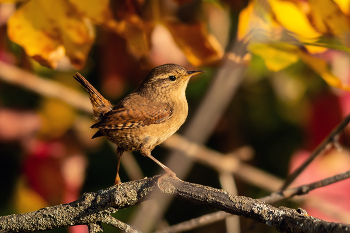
(130, 26)
(255, 18)
(329, 19)
(199, 46)
(97, 11)
(276, 56)
(48, 30)
(292, 18)
(344, 5)
(321, 67)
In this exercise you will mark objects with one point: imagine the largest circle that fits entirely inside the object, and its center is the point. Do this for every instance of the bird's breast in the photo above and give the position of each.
(150, 136)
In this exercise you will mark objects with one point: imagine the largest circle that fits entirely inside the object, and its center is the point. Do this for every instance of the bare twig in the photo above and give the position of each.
(95, 227)
(224, 163)
(304, 189)
(274, 197)
(45, 87)
(122, 226)
(196, 222)
(96, 208)
(228, 183)
(329, 139)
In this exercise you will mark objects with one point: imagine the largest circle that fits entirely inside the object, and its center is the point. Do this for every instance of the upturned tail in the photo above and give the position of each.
(100, 105)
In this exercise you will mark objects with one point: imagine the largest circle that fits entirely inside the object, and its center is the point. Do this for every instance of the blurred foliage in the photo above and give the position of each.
(294, 90)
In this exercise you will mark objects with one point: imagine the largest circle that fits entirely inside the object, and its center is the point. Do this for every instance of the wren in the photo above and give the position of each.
(147, 116)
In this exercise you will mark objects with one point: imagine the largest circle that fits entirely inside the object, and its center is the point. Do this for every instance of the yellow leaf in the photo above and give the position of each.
(199, 46)
(255, 18)
(48, 30)
(321, 67)
(57, 117)
(315, 49)
(243, 21)
(277, 56)
(328, 18)
(293, 19)
(344, 5)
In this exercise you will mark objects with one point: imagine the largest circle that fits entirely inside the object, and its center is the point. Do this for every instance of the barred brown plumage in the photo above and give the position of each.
(147, 116)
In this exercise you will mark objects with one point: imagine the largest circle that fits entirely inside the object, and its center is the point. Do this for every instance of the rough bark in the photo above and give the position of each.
(95, 208)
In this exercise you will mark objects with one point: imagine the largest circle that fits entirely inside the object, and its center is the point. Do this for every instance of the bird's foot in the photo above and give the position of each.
(168, 173)
(117, 181)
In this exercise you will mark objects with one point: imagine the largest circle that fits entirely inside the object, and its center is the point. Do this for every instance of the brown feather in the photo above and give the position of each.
(126, 116)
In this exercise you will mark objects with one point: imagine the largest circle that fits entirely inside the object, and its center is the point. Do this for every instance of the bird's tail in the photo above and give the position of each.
(99, 104)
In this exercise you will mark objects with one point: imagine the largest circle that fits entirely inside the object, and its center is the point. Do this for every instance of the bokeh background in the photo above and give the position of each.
(276, 84)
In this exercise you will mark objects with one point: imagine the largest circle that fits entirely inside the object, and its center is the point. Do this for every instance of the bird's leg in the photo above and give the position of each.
(168, 171)
(117, 180)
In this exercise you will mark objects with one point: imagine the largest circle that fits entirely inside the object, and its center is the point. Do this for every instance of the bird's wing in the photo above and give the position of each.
(133, 115)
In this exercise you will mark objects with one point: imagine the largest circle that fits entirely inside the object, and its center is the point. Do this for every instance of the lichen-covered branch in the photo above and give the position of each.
(90, 209)
(95, 208)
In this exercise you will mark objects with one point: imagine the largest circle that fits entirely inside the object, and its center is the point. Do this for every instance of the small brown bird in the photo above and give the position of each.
(147, 116)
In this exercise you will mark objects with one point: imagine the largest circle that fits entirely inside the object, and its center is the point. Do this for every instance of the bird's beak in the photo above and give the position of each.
(191, 73)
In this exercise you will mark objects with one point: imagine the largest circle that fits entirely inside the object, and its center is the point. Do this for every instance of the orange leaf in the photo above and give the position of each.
(97, 11)
(199, 46)
(134, 31)
(344, 5)
(130, 26)
(255, 18)
(11, 1)
(55, 32)
(246, 15)
(328, 18)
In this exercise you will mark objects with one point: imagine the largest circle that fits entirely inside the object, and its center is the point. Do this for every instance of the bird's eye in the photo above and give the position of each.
(172, 78)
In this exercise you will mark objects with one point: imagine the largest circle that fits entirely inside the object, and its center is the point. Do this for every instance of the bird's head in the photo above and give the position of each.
(167, 79)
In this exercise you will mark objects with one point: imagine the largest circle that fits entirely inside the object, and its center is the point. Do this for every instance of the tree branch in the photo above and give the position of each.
(95, 208)
(272, 198)
(90, 209)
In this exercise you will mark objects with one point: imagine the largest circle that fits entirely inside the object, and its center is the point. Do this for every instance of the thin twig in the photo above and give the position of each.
(228, 183)
(224, 163)
(304, 189)
(122, 226)
(44, 87)
(95, 227)
(274, 197)
(196, 222)
(329, 139)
